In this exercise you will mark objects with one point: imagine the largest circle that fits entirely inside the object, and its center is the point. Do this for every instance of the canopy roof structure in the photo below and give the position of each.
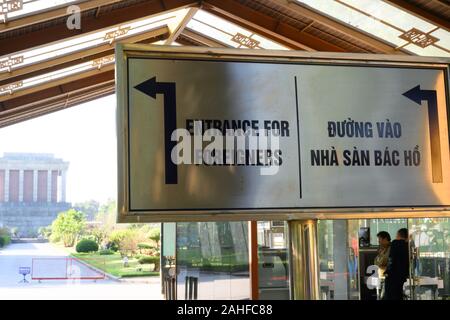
(46, 66)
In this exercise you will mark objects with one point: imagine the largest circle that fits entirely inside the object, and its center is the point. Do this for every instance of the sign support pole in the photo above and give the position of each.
(253, 261)
(304, 265)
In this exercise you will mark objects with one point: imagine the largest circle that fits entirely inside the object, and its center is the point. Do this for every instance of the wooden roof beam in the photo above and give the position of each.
(61, 32)
(201, 39)
(51, 14)
(63, 86)
(181, 26)
(267, 26)
(337, 26)
(52, 100)
(67, 81)
(77, 57)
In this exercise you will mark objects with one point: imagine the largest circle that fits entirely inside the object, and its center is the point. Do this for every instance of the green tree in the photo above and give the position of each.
(45, 232)
(90, 208)
(107, 214)
(127, 240)
(68, 226)
(155, 236)
(99, 234)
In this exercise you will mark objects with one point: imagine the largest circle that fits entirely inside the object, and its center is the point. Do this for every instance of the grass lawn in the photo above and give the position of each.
(113, 264)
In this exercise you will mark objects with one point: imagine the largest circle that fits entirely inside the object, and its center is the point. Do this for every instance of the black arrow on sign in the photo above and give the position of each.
(418, 95)
(151, 88)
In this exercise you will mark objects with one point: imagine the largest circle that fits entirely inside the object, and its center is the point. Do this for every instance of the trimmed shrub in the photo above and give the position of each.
(112, 246)
(144, 246)
(155, 235)
(5, 232)
(148, 260)
(86, 245)
(5, 236)
(4, 241)
(105, 252)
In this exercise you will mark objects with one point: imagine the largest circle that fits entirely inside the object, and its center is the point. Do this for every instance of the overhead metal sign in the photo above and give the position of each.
(236, 134)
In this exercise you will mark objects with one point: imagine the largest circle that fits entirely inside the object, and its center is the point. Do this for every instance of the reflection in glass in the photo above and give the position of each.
(273, 272)
(430, 258)
(168, 260)
(212, 260)
(389, 225)
(342, 257)
(338, 259)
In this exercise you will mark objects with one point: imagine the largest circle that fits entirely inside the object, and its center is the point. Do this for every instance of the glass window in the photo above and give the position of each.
(168, 260)
(273, 263)
(389, 225)
(212, 261)
(343, 252)
(430, 258)
(388, 23)
(338, 259)
(228, 33)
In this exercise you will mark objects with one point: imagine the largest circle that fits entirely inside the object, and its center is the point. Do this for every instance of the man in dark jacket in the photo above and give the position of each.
(397, 271)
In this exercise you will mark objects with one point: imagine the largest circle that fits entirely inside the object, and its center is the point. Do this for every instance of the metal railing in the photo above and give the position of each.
(191, 288)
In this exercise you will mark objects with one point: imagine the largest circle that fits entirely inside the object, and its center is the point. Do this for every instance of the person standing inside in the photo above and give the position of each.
(397, 270)
(382, 258)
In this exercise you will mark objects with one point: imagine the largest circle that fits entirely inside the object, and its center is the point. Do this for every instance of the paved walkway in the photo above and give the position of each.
(21, 255)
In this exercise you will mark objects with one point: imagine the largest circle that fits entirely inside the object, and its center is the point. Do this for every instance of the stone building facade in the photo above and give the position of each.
(32, 191)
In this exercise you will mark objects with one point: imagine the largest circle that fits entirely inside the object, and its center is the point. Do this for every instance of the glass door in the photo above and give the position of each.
(430, 258)
(348, 248)
(273, 262)
(338, 259)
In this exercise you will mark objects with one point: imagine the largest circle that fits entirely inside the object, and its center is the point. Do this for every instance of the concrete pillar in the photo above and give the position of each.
(49, 185)
(21, 172)
(35, 185)
(63, 186)
(304, 260)
(6, 185)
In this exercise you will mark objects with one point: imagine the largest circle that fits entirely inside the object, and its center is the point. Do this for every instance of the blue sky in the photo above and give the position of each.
(84, 135)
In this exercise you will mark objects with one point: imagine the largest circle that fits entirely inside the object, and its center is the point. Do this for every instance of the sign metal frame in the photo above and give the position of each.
(126, 51)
